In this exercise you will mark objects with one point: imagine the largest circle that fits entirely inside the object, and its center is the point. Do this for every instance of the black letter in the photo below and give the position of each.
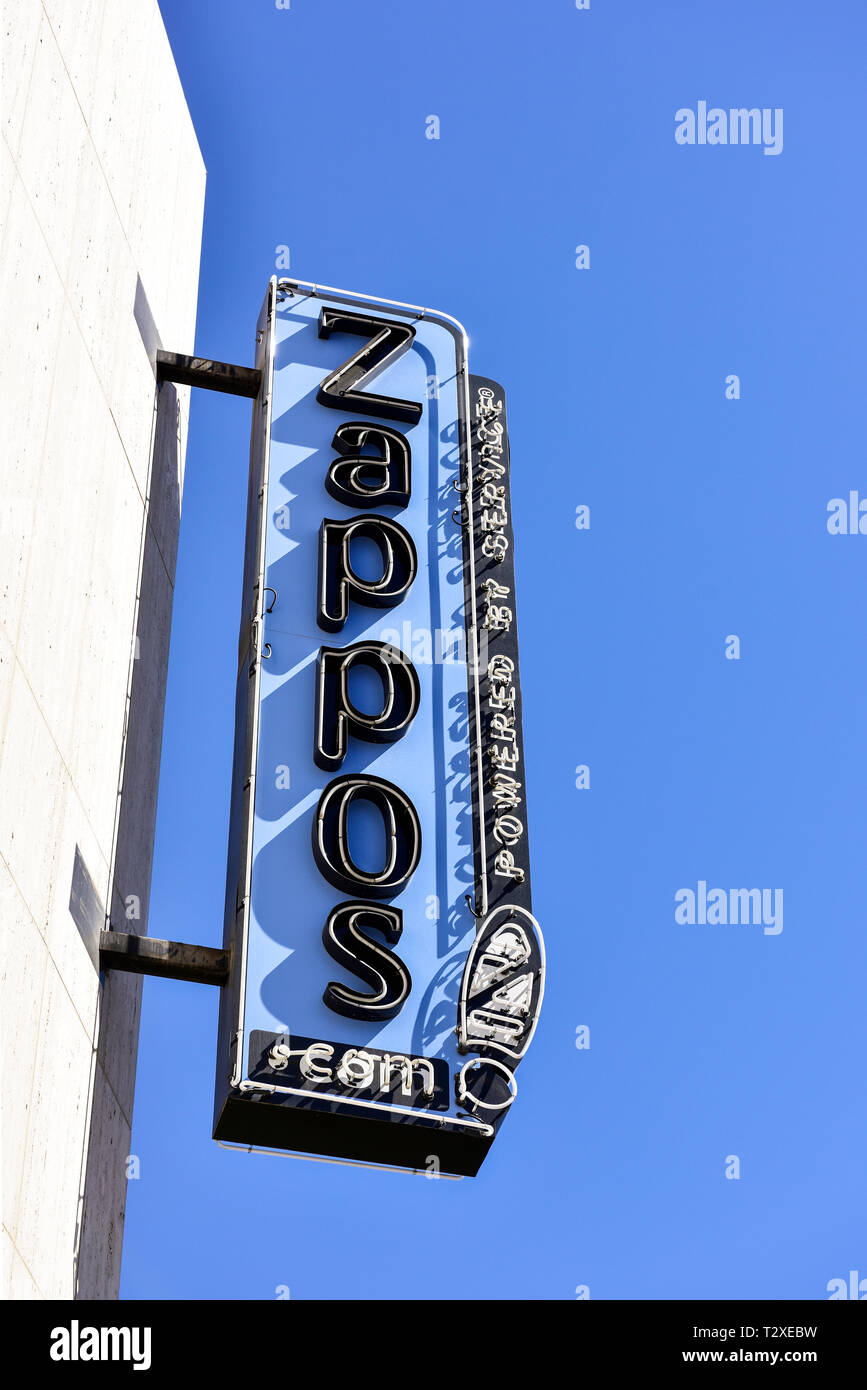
(346, 943)
(387, 341)
(338, 582)
(389, 467)
(336, 715)
(330, 836)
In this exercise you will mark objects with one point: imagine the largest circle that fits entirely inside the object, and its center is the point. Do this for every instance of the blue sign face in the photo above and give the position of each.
(365, 843)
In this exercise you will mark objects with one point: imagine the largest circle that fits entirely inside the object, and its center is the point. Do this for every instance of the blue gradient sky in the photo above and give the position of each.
(708, 518)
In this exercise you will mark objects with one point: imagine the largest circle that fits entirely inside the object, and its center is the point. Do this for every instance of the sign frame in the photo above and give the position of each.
(256, 1109)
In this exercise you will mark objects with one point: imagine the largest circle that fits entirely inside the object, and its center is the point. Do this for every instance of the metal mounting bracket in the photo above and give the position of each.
(172, 960)
(204, 371)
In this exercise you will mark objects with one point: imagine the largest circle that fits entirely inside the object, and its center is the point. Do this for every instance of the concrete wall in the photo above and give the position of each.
(101, 198)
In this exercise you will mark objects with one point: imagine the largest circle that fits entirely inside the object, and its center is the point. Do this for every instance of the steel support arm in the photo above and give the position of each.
(204, 371)
(173, 960)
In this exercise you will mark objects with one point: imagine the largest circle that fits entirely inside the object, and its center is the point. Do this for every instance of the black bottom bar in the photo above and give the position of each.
(218, 1339)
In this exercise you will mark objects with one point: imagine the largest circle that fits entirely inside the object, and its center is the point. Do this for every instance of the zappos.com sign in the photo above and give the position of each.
(386, 968)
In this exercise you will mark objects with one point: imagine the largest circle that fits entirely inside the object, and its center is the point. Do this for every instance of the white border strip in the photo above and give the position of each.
(258, 628)
(341, 1162)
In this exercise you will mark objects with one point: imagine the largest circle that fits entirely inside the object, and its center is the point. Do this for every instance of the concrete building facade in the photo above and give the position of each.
(101, 203)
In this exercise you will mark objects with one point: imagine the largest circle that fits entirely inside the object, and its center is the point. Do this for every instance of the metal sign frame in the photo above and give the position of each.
(503, 977)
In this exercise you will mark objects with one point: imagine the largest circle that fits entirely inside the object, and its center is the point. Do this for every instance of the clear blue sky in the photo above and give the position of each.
(708, 518)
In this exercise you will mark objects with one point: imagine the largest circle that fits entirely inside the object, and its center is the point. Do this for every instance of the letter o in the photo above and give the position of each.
(331, 840)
